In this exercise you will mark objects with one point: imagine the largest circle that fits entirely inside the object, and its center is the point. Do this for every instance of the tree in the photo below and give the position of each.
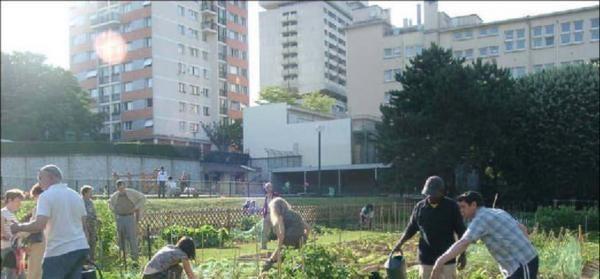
(446, 114)
(554, 151)
(224, 134)
(275, 94)
(43, 103)
(317, 102)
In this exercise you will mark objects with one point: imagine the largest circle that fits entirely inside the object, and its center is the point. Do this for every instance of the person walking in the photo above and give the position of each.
(165, 263)
(91, 220)
(267, 225)
(37, 242)
(505, 238)
(161, 178)
(366, 216)
(12, 203)
(61, 214)
(437, 219)
(127, 204)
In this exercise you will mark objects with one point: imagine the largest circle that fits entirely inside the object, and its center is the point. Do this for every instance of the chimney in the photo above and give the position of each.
(418, 14)
(405, 22)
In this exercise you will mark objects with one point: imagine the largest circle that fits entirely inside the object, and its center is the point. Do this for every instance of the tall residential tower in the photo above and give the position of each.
(173, 65)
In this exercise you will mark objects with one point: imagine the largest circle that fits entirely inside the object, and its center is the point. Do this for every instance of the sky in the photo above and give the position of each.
(43, 26)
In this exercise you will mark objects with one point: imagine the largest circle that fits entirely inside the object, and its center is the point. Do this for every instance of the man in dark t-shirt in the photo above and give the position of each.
(437, 219)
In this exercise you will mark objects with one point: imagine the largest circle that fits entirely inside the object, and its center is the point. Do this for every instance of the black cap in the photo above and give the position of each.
(433, 186)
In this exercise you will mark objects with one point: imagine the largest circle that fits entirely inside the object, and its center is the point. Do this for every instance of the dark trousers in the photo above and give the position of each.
(66, 266)
(162, 189)
(528, 271)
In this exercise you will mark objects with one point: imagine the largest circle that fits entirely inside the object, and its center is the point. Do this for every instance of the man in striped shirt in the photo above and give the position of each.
(505, 238)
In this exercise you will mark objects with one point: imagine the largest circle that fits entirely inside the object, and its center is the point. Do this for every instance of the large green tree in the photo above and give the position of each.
(276, 94)
(225, 134)
(43, 103)
(447, 113)
(554, 147)
(317, 102)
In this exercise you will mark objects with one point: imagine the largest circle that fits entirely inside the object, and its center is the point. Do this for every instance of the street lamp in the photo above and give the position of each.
(319, 129)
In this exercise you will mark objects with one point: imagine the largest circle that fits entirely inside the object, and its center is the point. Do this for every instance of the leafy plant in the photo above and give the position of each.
(205, 236)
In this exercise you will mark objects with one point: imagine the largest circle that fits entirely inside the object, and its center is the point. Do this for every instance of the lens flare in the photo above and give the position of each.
(110, 47)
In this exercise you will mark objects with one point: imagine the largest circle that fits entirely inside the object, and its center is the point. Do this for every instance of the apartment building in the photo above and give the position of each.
(303, 46)
(377, 50)
(174, 66)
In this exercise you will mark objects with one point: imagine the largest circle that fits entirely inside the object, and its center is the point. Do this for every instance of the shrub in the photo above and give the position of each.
(549, 218)
(204, 237)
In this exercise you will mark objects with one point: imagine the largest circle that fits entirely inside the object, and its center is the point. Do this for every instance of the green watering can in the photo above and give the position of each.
(395, 266)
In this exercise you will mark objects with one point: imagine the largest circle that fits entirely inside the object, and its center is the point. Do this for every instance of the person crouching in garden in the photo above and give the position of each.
(290, 228)
(166, 262)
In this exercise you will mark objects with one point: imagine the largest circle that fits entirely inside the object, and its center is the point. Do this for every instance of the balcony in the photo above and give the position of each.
(209, 27)
(105, 20)
(208, 9)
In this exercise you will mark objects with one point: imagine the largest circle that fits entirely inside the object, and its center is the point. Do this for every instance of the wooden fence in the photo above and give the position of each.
(389, 217)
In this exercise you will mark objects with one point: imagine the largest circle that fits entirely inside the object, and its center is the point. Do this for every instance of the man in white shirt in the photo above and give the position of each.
(61, 214)
(161, 178)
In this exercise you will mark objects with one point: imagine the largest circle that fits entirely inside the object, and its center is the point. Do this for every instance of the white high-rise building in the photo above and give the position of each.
(303, 46)
(377, 50)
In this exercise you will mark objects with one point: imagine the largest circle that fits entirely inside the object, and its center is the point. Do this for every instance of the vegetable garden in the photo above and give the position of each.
(336, 247)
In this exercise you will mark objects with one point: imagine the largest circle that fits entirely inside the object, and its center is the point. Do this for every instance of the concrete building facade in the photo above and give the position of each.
(377, 50)
(173, 65)
(303, 46)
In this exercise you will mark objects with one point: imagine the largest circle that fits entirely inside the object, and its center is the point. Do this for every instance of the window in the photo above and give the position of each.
(149, 123)
(181, 29)
(463, 35)
(205, 111)
(205, 92)
(147, 62)
(514, 40)
(148, 42)
(181, 107)
(182, 126)
(181, 49)
(195, 71)
(181, 68)
(91, 74)
(204, 55)
(543, 36)
(127, 106)
(518, 72)
(127, 126)
(390, 75)
(488, 31)
(571, 32)
(488, 51)
(181, 87)
(594, 28)
(194, 52)
(194, 127)
(469, 53)
(149, 83)
(128, 86)
(193, 15)
(391, 52)
(205, 73)
(128, 67)
(181, 11)
(149, 102)
(194, 109)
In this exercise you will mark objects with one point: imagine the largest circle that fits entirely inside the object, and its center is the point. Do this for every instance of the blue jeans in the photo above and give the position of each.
(65, 266)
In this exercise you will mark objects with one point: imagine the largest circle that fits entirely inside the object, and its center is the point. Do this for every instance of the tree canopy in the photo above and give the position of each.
(315, 101)
(225, 134)
(44, 103)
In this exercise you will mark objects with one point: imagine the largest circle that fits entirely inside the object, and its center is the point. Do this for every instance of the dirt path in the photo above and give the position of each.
(590, 270)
